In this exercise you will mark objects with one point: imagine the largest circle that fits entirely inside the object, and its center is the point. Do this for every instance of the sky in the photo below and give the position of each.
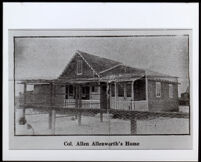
(46, 58)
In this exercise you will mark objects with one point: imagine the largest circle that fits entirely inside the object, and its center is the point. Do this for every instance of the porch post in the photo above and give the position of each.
(146, 82)
(125, 93)
(115, 92)
(101, 114)
(76, 96)
(132, 94)
(108, 96)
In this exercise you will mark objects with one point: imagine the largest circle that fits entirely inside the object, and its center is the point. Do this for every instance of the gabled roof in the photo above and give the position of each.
(102, 65)
(98, 63)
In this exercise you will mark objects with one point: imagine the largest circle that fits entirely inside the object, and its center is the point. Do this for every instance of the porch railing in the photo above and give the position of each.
(130, 105)
(92, 104)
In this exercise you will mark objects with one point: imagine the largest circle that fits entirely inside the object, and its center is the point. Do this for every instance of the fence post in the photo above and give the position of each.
(21, 107)
(79, 103)
(25, 100)
(52, 111)
(133, 123)
(101, 117)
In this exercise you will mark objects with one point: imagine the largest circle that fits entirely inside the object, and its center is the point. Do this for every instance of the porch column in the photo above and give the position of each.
(132, 94)
(146, 82)
(115, 92)
(108, 96)
(76, 96)
(125, 93)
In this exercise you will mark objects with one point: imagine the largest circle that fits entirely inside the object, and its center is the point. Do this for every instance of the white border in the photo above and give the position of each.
(101, 15)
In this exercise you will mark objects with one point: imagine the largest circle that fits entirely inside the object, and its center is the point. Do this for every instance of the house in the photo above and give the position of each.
(89, 81)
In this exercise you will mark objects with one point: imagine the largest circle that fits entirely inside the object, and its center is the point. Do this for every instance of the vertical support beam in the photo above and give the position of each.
(133, 124)
(25, 100)
(21, 118)
(79, 118)
(76, 100)
(101, 117)
(79, 104)
(52, 111)
(132, 95)
(108, 96)
(50, 119)
(115, 92)
(147, 97)
(50, 108)
(76, 96)
(125, 93)
(53, 120)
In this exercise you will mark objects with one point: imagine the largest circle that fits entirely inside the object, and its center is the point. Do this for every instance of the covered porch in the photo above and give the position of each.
(119, 92)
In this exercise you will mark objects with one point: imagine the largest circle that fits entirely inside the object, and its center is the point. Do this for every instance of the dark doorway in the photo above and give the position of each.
(103, 96)
(140, 89)
(85, 93)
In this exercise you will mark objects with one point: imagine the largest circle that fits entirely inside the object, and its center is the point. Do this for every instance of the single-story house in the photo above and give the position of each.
(103, 83)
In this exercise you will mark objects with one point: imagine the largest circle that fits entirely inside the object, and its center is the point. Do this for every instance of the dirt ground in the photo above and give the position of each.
(37, 124)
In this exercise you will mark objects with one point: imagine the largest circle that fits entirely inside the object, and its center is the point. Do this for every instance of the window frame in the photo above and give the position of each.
(158, 89)
(79, 64)
(112, 90)
(128, 90)
(120, 86)
(171, 95)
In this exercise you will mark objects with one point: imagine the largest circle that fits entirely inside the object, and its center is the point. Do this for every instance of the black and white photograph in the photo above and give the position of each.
(89, 82)
(102, 85)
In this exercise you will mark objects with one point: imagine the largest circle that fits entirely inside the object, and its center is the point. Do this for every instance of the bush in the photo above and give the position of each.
(22, 121)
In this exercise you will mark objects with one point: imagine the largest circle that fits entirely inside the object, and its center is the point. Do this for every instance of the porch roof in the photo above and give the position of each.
(110, 78)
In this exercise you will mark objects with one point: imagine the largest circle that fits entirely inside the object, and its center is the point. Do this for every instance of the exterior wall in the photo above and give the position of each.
(41, 94)
(71, 71)
(59, 95)
(163, 103)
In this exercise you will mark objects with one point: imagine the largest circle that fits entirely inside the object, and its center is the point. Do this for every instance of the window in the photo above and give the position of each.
(121, 90)
(79, 67)
(170, 91)
(30, 87)
(158, 89)
(94, 89)
(128, 89)
(70, 90)
(85, 93)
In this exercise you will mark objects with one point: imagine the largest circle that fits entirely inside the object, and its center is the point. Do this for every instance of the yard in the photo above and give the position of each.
(67, 124)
